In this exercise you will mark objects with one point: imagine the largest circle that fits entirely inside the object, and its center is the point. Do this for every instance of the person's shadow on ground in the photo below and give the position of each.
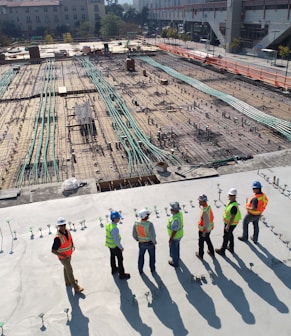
(164, 307)
(258, 285)
(231, 291)
(129, 308)
(78, 324)
(197, 296)
(281, 270)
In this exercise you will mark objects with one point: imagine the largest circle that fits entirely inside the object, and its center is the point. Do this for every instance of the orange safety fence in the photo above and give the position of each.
(272, 78)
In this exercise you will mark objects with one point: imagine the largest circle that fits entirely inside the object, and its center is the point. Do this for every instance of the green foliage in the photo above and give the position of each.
(67, 38)
(84, 29)
(234, 45)
(283, 51)
(110, 25)
(114, 9)
(4, 40)
(49, 39)
(10, 29)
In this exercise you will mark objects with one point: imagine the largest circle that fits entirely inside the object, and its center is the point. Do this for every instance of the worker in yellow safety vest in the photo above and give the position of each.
(231, 218)
(175, 227)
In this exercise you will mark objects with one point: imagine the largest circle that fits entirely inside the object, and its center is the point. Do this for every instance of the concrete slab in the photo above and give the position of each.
(245, 293)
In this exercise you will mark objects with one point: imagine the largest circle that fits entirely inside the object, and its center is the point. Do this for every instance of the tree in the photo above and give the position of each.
(84, 29)
(60, 30)
(4, 40)
(110, 25)
(49, 39)
(10, 29)
(67, 38)
(235, 45)
(115, 9)
(130, 16)
(97, 25)
(144, 16)
(283, 51)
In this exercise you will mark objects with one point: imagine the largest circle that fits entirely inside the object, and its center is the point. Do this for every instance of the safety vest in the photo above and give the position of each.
(66, 247)
(227, 214)
(180, 232)
(109, 238)
(262, 203)
(143, 232)
(209, 212)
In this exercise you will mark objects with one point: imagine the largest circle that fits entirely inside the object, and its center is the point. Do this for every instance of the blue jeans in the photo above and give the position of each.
(175, 251)
(150, 247)
(247, 219)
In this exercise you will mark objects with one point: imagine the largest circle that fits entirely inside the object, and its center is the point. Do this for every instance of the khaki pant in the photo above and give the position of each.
(68, 272)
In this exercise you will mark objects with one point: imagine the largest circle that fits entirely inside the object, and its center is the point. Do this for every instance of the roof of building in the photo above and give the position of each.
(247, 292)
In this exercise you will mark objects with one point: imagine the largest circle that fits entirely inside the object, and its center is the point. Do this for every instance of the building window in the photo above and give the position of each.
(96, 8)
(75, 16)
(82, 7)
(66, 17)
(29, 27)
(74, 9)
(56, 18)
(83, 17)
(65, 9)
(45, 9)
(37, 19)
(28, 19)
(26, 10)
(47, 19)
(55, 9)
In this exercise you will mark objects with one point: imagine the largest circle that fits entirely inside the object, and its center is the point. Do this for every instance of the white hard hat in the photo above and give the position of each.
(232, 192)
(61, 221)
(144, 213)
(202, 198)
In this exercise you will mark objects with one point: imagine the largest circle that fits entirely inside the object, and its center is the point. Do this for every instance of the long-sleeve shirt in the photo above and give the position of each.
(115, 235)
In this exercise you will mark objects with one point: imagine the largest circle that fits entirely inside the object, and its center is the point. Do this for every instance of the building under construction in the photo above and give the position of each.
(94, 118)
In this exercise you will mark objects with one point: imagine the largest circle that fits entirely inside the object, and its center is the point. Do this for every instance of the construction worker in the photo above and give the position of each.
(113, 243)
(205, 226)
(255, 206)
(231, 218)
(175, 231)
(144, 232)
(63, 247)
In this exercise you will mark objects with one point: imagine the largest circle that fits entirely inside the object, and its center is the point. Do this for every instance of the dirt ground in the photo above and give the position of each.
(198, 129)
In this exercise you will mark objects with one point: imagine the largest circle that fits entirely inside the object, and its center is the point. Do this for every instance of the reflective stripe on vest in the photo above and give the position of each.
(227, 214)
(209, 213)
(262, 203)
(143, 232)
(109, 238)
(66, 244)
(178, 216)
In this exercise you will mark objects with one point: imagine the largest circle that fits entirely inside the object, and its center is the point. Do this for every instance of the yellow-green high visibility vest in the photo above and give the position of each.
(227, 214)
(180, 231)
(109, 238)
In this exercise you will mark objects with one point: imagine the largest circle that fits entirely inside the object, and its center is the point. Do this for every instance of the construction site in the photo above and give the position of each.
(120, 119)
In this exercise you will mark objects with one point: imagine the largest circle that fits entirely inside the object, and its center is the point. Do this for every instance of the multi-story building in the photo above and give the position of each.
(30, 16)
(257, 24)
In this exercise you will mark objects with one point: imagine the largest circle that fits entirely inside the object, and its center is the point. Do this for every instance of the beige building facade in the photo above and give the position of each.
(30, 16)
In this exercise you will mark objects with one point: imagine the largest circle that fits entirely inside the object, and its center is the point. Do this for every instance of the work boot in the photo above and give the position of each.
(220, 251)
(242, 238)
(124, 276)
(231, 250)
(198, 256)
(79, 289)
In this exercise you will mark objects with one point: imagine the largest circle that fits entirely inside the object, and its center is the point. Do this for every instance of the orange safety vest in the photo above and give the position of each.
(66, 247)
(262, 203)
(143, 232)
(209, 212)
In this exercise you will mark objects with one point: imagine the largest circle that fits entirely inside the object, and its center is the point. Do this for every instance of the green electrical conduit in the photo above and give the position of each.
(141, 153)
(279, 125)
